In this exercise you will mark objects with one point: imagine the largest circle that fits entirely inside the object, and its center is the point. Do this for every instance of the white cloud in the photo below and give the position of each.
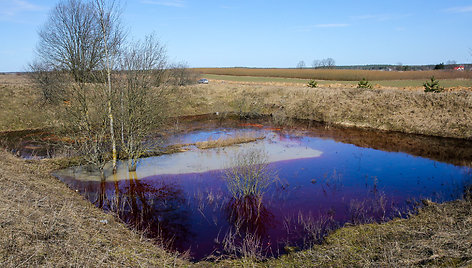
(331, 25)
(309, 28)
(381, 17)
(459, 9)
(10, 8)
(378, 17)
(167, 3)
(226, 7)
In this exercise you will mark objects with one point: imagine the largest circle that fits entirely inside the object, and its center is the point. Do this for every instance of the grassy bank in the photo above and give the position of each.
(44, 223)
(228, 141)
(439, 236)
(443, 114)
(21, 104)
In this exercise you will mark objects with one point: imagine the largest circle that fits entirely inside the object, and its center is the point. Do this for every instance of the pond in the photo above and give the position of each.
(321, 178)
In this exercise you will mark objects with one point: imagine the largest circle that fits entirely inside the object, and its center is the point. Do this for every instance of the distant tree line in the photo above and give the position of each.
(327, 63)
(397, 67)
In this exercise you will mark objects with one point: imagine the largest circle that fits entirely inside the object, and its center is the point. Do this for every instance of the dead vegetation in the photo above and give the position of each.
(44, 223)
(239, 138)
(440, 235)
(21, 104)
(443, 114)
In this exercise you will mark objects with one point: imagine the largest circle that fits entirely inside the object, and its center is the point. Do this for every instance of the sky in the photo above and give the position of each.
(279, 33)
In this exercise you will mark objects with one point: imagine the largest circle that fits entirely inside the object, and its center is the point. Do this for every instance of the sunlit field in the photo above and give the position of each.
(338, 75)
(416, 83)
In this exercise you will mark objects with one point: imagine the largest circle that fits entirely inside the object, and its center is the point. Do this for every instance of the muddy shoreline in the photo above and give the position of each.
(42, 143)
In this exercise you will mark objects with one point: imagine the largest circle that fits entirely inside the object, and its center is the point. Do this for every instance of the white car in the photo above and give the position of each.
(203, 81)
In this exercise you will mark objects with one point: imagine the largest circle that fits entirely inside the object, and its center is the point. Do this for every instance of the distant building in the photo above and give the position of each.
(459, 68)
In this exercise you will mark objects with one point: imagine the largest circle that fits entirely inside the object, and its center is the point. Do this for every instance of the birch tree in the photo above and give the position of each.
(76, 44)
(108, 17)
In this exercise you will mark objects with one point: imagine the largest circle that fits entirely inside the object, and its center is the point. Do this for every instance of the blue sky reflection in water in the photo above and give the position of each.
(343, 183)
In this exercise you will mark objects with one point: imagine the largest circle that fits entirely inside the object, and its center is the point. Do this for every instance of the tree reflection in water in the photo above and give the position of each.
(467, 184)
(158, 208)
(249, 221)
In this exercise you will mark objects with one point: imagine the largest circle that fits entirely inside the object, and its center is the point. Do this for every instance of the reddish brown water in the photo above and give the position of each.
(314, 194)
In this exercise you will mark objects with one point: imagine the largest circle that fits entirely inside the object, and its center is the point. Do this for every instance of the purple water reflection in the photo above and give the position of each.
(346, 184)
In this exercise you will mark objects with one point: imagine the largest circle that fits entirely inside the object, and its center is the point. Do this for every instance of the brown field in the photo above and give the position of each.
(417, 84)
(338, 75)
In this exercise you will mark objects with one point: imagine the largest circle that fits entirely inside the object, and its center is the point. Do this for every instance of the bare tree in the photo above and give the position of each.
(181, 75)
(301, 64)
(329, 63)
(49, 80)
(75, 46)
(108, 16)
(71, 40)
(103, 88)
(142, 102)
(451, 62)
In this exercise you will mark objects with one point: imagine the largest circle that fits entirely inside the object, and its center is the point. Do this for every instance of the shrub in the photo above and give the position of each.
(250, 174)
(439, 66)
(312, 83)
(181, 75)
(364, 84)
(432, 86)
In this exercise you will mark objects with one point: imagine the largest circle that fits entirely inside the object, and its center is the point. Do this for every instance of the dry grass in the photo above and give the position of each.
(21, 108)
(448, 84)
(339, 75)
(444, 114)
(239, 138)
(440, 235)
(437, 114)
(44, 223)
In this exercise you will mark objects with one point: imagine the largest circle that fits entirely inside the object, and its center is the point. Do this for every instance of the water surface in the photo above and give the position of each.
(321, 184)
